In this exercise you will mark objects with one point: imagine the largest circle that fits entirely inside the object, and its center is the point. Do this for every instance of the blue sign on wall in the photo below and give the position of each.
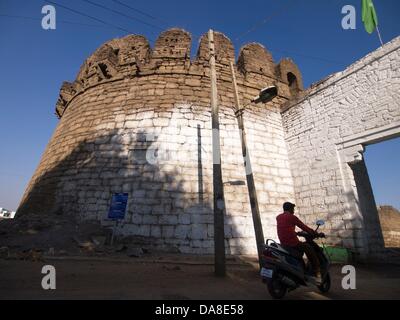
(118, 206)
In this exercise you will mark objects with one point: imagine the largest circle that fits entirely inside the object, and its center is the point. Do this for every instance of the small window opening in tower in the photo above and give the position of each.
(103, 68)
(293, 85)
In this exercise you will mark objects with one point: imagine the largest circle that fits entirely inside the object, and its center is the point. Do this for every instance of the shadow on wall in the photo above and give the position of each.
(163, 210)
(372, 222)
(354, 232)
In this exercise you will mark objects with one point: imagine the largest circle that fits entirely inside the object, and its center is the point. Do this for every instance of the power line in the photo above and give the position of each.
(119, 28)
(122, 14)
(58, 21)
(268, 18)
(131, 17)
(307, 56)
(6, 173)
(265, 20)
(88, 16)
(140, 11)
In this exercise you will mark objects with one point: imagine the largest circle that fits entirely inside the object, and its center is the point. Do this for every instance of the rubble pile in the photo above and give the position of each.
(33, 237)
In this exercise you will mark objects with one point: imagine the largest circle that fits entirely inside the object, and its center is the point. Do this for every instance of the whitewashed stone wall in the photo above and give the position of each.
(326, 131)
(138, 120)
(174, 206)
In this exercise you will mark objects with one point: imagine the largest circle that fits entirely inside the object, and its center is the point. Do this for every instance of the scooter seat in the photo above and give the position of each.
(294, 252)
(278, 247)
(287, 250)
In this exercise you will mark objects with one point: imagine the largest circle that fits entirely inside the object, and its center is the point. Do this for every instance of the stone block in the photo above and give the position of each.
(167, 231)
(182, 231)
(199, 231)
(161, 122)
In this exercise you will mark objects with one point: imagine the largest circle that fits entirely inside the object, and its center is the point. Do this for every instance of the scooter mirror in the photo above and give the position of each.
(320, 222)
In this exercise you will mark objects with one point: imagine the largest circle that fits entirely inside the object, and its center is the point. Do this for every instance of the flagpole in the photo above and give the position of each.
(379, 35)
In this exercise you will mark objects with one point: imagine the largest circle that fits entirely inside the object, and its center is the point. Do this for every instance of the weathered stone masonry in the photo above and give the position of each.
(131, 103)
(137, 120)
(327, 129)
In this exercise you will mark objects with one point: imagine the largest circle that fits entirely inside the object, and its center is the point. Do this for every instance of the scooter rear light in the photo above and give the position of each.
(267, 253)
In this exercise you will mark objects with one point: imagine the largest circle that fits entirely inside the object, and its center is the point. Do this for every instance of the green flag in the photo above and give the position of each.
(369, 16)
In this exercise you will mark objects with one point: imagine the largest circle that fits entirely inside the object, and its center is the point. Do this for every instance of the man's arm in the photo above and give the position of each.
(303, 227)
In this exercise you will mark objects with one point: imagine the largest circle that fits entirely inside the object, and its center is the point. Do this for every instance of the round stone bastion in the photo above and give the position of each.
(137, 120)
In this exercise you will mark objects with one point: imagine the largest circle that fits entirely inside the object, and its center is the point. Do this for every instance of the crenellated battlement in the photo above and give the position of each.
(132, 56)
(173, 43)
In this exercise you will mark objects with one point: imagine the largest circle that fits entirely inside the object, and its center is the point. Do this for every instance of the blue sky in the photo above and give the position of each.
(34, 62)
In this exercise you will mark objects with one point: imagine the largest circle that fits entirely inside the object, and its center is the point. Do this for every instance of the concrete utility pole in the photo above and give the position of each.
(258, 230)
(219, 202)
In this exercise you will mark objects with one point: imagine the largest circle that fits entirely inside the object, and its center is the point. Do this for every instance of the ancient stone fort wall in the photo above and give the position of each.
(327, 129)
(138, 120)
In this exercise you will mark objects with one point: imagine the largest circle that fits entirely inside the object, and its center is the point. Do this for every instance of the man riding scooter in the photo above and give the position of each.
(286, 224)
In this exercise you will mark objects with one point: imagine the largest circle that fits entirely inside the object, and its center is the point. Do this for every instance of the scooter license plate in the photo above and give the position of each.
(266, 273)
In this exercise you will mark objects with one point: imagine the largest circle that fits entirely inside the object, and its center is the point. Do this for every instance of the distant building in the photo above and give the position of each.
(6, 214)
(389, 218)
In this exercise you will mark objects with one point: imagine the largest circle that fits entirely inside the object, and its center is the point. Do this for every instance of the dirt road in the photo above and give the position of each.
(141, 279)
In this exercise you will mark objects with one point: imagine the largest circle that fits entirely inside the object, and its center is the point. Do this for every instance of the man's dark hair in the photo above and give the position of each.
(288, 206)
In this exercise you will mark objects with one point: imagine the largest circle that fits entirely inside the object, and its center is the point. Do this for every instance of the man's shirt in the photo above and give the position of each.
(286, 225)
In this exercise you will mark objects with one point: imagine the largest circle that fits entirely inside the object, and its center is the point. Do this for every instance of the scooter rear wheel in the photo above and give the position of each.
(276, 288)
(326, 284)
